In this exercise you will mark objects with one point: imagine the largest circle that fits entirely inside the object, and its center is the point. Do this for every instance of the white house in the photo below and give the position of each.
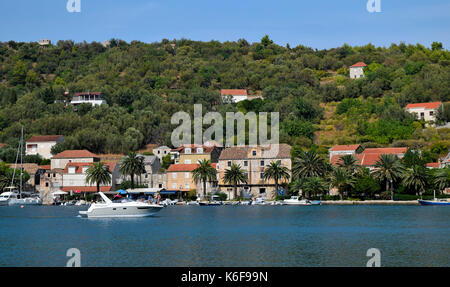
(44, 42)
(424, 111)
(357, 70)
(61, 159)
(339, 150)
(94, 98)
(42, 145)
(233, 95)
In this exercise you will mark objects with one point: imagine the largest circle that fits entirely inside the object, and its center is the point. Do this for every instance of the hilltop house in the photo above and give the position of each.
(253, 159)
(94, 98)
(233, 95)
(44, 42)
(42, 145)
(424, 111)
(339, 150)
(357, 70)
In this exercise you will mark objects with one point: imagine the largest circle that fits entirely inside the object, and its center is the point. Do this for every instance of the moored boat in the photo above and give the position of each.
(296, 200)
(433, 202)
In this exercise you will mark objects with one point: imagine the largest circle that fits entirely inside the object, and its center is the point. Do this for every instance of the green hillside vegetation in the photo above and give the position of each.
(144, 84)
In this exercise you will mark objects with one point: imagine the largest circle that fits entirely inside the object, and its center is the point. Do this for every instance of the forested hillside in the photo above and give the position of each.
(144, 84)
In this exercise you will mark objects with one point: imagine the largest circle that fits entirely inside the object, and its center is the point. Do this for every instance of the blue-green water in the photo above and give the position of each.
(229, 236)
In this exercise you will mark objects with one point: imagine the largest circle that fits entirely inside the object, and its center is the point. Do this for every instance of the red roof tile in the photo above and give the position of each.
(433, 164)
(359, 64)
(46, 167)
(345, 147)
(85, 188)
(429, 106)
(75, 154)
(386, 150)
(2, 145)
(233, 92)
(48, 138)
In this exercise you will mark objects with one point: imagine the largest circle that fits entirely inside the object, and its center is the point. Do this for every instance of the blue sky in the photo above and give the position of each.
(315, 23)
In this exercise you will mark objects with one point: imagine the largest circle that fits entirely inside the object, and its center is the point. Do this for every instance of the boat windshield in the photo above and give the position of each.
(122, 200)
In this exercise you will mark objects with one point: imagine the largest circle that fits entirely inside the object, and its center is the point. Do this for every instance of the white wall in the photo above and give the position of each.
(43, 149)
(427, 116)
(356, 72)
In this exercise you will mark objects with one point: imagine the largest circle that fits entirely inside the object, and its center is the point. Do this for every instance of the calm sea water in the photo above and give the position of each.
(229, 236)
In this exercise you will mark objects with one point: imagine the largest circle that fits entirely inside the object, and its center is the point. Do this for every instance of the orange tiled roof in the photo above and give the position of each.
(359, 64)
(75, 154)
(386, 150)
(233, 92)
(433, 164)
(428, 106)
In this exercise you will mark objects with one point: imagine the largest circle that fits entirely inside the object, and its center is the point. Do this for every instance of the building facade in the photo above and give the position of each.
(424, 111)
(357, 70)
(61, 159)
(233, 95)
(161, 151)
(180, 178)
(42, 145)
(254, 160)
(94, 98)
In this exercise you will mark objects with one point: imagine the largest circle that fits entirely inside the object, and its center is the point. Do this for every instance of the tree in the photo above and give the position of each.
(235, 175)
(388, 168)
(313, 186)
(98, 174)
(277, 172)
(416, 178)
(341, 180)
(132, 164)
(442, 178)
(205, 172)
(349, 163)
(308, 164)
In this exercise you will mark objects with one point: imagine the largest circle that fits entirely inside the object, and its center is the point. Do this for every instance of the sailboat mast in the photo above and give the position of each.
(21, 162)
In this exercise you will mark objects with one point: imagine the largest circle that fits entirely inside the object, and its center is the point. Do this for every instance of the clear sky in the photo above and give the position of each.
(315, 23)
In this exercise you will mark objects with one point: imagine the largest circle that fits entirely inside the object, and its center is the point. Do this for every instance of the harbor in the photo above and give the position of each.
(228, 236)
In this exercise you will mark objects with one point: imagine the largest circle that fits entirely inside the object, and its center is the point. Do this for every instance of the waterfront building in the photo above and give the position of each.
(369, 156)
(424, 111)
(179, 178)
(61, 159)
(339, 150)
(357, 70)
(42, 145)
(253, 159)
(192, 154)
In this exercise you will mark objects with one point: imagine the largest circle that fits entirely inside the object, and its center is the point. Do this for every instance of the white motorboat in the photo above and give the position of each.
(259, 201)
(7, 197)
(26, 201)
(296, 200)
(122, 207)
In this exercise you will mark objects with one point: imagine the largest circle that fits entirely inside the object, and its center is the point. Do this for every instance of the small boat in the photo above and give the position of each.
(7, 197)
(214, 201)
(435, 201)
(259, 201)
(123, 207)
(296, 200)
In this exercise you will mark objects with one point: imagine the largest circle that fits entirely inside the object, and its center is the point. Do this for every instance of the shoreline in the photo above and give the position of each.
(370, 202)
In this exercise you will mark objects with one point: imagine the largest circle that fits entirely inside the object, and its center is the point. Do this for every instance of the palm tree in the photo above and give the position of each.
(308, 164)
(416, 178)
(205, 172)
(132, 164)
(442, 178)
(314, 185)
(341, 180)
(349, 163)
(277, 172)
(388, 168)
(235, 175)
(98, 174)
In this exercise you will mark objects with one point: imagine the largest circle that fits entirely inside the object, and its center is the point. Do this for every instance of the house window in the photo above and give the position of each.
(245, 163)
(187, 161)
(159, 152)
(46, 184)
(187, 185)
(262, 163)
(174, 175)
(54, 174)
(422, 115)
(262, 190)
(174, 185)
(186, 174)
(48, 174)
(261, 175)
(254, 153)
(229, 163)
(431, 113)
(247, 175)
(160, 185)
(199, 150)
(187, 150)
